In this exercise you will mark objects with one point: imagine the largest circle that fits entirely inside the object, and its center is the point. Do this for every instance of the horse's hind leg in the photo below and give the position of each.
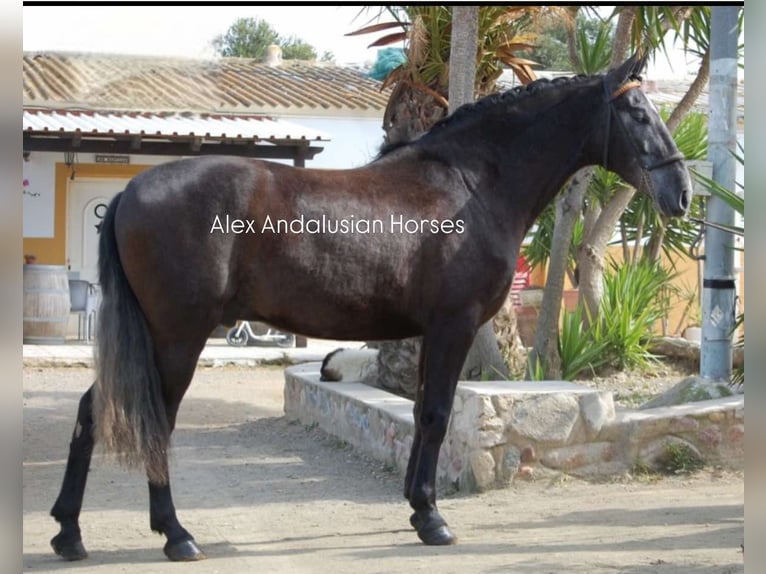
(66, 510)
(445, 347)
(176, 364)
(180, 545)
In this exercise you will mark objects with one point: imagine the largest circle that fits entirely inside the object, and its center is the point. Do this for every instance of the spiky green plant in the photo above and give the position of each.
(581, 349)
(636, 296)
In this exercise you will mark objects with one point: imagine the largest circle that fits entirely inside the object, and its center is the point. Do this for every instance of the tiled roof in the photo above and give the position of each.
(227, 85)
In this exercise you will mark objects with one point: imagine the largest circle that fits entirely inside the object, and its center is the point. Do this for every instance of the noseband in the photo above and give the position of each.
(629, 85)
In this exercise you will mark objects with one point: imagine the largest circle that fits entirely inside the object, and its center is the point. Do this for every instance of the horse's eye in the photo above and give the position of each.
(640, 116)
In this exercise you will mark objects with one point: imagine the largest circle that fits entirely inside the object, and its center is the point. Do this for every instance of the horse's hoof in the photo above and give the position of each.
(69, 551)
(432, 530)
(437, 536)
(186, 551)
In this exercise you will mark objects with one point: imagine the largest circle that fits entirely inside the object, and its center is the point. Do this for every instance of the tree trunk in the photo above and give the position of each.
(464, 43)
(590, 258)
(568, 209)
(596, 237)
(574, 55)
(679, 112)
(691, 95)
(621, 42)
(398, 365)
(484, 359)
(409, 113)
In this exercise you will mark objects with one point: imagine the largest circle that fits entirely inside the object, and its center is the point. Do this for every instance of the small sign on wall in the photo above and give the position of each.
(112, 159)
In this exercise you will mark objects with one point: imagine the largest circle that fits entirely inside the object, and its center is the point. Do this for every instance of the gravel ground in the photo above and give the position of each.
(263, 495)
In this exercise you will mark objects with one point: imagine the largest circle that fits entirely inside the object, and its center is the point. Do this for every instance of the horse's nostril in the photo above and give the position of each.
(685, 199)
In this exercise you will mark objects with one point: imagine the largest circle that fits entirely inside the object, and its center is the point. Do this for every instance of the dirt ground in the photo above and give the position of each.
(263, 495)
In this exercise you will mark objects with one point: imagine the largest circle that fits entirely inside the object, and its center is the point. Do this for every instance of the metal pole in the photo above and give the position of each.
(719, 288)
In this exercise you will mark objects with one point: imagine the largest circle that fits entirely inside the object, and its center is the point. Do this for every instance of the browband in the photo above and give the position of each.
(625, 87)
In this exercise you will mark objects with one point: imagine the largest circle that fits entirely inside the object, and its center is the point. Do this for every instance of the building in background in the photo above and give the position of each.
(93, 121)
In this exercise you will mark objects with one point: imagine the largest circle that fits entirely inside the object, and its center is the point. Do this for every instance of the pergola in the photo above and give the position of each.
(172, 134)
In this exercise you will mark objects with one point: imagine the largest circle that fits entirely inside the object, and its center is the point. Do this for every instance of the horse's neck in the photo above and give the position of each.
(530, 173)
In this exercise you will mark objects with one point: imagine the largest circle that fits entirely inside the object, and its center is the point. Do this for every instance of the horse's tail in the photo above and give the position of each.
(128, 408)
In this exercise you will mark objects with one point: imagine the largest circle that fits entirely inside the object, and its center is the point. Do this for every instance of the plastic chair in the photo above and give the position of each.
(84, 299)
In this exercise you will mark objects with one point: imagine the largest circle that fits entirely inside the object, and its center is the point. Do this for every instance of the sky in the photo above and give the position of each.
(188, 31)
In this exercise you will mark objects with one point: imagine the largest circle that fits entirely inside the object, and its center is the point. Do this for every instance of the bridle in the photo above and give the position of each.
(627, 86)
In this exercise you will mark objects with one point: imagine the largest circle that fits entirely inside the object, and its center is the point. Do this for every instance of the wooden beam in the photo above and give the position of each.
(170, 148)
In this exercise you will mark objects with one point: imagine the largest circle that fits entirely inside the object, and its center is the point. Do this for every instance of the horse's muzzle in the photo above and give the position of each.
(676, 205)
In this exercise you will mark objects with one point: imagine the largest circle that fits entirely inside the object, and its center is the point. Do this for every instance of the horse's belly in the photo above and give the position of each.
(316, 317)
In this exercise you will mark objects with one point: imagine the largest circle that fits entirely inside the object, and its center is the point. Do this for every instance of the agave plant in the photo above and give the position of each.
(581, 348)
(636, 296)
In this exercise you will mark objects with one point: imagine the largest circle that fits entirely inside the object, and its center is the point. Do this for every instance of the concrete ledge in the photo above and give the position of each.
(217, 353)
(500, 431)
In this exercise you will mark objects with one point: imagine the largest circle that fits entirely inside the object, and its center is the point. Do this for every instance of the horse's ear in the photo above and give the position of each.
(629, 69)
(639, 63)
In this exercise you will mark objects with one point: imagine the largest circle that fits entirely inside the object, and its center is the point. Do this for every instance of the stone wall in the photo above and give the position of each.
(500, 430)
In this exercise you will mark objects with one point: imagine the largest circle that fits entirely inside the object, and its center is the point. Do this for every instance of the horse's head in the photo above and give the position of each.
(638, 145)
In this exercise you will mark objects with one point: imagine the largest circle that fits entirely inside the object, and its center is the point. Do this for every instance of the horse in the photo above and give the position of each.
(421, 241)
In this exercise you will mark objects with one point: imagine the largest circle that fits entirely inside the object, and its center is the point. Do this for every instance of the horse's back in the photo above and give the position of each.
(232, 238)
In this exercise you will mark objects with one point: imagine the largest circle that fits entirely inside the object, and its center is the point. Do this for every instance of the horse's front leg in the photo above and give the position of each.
(66, 510)
(445, 347)
(415, 449)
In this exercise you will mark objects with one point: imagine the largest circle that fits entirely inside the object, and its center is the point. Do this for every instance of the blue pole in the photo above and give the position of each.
(719, 287)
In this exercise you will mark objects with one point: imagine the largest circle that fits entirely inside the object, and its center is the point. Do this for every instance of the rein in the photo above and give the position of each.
(627, 86)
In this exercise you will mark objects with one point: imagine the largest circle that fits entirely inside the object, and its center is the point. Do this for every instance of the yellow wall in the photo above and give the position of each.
(52, 251)
(688, 279)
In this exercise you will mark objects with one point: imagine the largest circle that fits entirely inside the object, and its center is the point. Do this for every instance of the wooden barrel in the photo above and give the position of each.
(46, 304)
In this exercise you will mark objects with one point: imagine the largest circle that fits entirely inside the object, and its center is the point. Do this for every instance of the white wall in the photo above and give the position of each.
(354, 142)
(38, 174)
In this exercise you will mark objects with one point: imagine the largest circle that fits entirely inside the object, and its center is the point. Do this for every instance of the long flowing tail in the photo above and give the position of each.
(128, 408)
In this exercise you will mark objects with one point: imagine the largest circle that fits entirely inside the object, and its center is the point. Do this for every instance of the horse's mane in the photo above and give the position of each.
(509, 97)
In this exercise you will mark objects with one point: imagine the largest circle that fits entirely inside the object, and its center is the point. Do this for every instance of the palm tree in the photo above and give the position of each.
(421, 96)
(421, 83)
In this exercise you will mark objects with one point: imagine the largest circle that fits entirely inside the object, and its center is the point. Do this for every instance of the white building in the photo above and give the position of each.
(92, 121)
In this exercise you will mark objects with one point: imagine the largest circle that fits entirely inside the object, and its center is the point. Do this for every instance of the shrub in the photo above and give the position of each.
(580, 348)
(635, 298)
